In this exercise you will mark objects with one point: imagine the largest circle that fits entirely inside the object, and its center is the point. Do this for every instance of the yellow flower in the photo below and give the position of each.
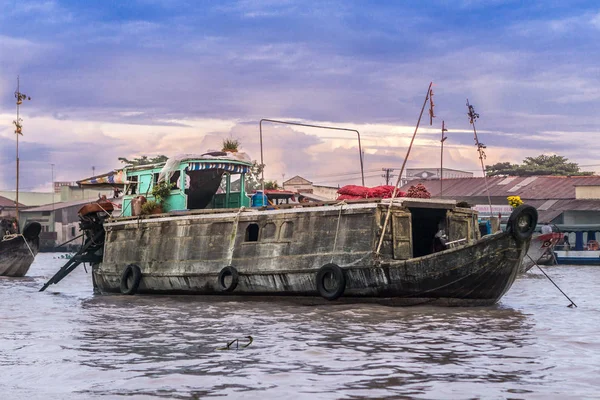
(514, 201)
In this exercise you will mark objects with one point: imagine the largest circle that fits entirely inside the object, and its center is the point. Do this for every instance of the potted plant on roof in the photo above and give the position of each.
(230, 145)
(160, 192)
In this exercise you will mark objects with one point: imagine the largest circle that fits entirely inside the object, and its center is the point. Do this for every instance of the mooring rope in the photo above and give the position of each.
(341, 204)
(234, 229)
(550, 279)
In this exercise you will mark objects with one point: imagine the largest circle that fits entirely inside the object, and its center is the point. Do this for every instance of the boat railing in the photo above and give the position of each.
(455, 243)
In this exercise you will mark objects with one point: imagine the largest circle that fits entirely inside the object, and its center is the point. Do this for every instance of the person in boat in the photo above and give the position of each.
(566, 244)
(546, 228)
(9, 227)
(439, 241)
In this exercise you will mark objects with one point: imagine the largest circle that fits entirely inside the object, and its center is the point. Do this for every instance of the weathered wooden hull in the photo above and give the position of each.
(187, 258)
(16, 256)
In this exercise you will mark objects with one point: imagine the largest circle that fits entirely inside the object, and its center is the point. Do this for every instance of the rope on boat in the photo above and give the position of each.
(550, 279)
(341, 204)
(233, 235)
(14, 235)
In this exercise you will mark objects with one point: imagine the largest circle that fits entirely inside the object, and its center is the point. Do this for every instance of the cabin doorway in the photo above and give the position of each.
(426, 222)
(203, 186)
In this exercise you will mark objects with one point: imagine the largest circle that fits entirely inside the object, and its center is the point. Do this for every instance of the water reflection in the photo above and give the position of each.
(172, 341)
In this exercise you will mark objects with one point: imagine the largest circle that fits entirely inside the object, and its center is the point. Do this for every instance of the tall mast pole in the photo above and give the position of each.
(480, 146)
(431, 116)
(442, 159)
(18, 131)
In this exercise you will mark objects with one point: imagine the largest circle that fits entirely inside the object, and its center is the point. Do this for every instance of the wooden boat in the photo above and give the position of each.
(17, 251)
(582, 249)
(540, 250)
(214, 244)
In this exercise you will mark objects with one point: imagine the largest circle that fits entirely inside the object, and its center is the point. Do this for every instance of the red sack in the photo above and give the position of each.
(419, 191)
(354, 190)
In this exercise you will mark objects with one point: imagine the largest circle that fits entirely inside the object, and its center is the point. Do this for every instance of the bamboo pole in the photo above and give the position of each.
(387, 217)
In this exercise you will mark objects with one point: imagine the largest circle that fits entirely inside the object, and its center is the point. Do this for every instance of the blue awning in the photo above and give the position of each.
(234, 168)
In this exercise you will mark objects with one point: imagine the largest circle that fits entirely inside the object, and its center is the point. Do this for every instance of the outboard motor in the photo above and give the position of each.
(91, 222)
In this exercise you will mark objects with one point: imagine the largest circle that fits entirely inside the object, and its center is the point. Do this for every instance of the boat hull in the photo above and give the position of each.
(540, 250)
(582, 257)
(471, 275)
(17, 255)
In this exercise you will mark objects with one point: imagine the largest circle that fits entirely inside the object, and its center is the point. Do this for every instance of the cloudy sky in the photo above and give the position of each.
(128, 78)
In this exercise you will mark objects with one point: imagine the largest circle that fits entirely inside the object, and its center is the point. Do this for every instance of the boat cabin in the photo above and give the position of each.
(203, 182)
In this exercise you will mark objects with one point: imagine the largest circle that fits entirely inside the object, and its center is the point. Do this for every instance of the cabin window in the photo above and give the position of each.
(72, 231)
(155, 178)
(269, 231)
(175, 183)
(252, 233)
(132, 188)
(287, 230)
(45, 213)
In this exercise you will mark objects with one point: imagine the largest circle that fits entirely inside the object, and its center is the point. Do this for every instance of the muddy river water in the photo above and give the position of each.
(67, 343)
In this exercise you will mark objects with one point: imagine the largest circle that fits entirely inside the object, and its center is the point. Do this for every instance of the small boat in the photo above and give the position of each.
(18, 249)
(207, 240)
(540, 250)
(578, 257)
(585, 249)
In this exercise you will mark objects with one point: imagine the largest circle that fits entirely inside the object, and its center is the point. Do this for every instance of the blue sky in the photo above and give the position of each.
(112, 79)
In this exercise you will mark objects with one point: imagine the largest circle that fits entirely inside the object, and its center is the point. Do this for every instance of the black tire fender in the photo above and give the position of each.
(32, 230)
(135, 272)
(338, 278)
(522, 222)
(225, 272)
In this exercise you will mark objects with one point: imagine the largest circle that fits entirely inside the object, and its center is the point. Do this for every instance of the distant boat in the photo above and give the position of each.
(585, 249)
(18, 250)
(540, 250)
(209, 241)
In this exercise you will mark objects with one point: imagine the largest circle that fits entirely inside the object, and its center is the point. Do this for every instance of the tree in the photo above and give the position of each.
(271, 185)
(144, 160)
(253, 178)
(540, 165)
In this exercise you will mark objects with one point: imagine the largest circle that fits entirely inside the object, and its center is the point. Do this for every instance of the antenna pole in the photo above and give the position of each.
(480, 146)
(18, 131)
(360, 151)
(442, 159)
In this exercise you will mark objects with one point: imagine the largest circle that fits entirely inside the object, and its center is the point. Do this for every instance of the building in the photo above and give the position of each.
(301, 185)
(8, 207)
(59, 185)
(433, 173)
(566, 200)
(29, 198)
(66, 193)
(298, 184)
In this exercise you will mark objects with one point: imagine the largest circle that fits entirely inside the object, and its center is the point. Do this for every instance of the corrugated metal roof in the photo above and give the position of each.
(5, 202)
(540, 188)
(547, 204)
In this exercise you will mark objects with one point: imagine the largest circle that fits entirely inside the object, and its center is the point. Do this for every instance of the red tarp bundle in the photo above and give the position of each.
(354, 192)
